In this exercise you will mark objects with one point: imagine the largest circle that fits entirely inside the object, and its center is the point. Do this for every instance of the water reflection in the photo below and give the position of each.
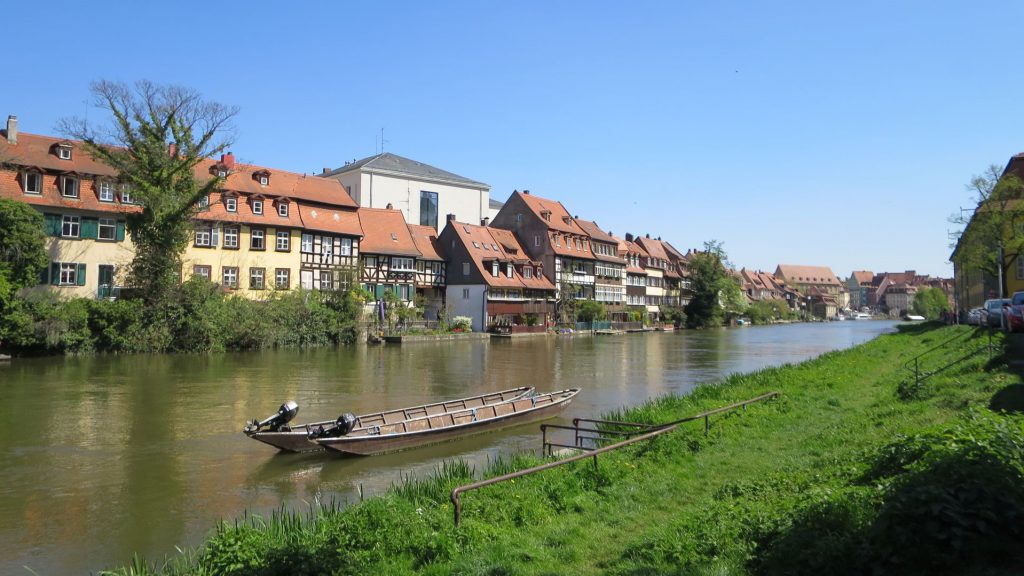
(109, 456)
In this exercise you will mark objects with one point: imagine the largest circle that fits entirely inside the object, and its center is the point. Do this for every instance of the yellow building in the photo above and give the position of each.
(84, 208)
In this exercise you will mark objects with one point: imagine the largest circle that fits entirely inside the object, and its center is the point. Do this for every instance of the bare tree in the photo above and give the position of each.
(156, 138)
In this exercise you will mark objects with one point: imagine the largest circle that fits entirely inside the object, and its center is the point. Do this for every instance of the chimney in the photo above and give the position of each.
(326, 170)
(648, 235)
(172, 149)
(389, 206)
(527, 192)
(486, 221)
(228, 160)
(629, 237)
(451, 217)
(12, 129)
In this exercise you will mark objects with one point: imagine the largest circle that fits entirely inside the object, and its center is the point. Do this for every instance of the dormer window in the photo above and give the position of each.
(282, 209)
(204, 202)
(106, 191)
(394, 237)
(222, 173)
(546, 214)
(32, 182)
(264, 180)
(262, 176)
(126, 194)
(231, 204)
(257, 207)
(64, 151)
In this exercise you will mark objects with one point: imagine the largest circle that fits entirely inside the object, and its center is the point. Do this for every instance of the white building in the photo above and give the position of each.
(423, 193)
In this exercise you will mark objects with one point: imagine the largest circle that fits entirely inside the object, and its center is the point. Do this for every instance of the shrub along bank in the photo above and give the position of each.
(197, 317)
(842, 475)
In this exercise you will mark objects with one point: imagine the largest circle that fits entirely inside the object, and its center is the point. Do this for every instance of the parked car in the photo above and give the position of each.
(1015, 313)
(994, 311)
(974, 316)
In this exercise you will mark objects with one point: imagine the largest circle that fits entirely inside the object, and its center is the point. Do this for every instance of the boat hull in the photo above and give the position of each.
(297, 439)
(427, 431)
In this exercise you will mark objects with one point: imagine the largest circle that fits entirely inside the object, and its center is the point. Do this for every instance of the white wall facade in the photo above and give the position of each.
(468, 300)
(376, 190)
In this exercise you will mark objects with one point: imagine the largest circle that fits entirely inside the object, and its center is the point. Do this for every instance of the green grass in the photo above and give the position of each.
(855, 469)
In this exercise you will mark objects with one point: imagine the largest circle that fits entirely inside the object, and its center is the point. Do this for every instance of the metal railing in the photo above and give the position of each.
(645, 431)
(915, 363)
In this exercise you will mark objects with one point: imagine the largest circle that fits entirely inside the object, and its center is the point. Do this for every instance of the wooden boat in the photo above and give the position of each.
(401, 434)
(276, 431)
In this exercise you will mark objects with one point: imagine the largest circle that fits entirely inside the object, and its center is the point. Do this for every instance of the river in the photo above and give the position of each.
(107, 456)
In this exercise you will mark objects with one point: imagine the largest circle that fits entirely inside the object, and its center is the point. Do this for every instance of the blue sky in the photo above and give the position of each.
(817, 133)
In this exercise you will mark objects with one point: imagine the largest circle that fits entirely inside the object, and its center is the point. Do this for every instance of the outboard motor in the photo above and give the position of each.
(342, 426)
(278, 422)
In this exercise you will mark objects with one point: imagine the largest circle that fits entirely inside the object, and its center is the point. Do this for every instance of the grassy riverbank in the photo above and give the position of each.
(853, 470)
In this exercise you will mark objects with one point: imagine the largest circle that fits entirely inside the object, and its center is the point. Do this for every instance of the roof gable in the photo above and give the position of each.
(395, 164)
(385, 232)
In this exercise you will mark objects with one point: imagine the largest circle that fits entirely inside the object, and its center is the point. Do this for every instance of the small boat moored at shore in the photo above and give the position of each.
(402, 434)
(276, 431)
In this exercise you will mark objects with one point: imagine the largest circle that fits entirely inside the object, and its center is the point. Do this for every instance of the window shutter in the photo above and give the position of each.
(120, 230)
(55, 273)
(81, 274)
(90, 228)
(52, 224)
(44, 275)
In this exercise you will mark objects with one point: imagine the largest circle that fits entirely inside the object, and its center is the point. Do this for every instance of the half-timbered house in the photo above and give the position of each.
(387, 254)
(430, 270)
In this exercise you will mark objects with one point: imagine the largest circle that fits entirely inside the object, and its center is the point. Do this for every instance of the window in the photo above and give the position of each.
(465, 268)
(264, 180)
(536, 240)
(107, 229)
(231, 204)
(69, 186)
(230, 276)
(558, 241)
(346, 247)
(71, 226)
(201, 271)
(106, 191)
(282, 209)
(231, 237)
(257, 207)
(327, 248)
(284, 241)
(203, 236)
(307, 244)
(204, 202)
(508, 270)
(257, 239)
(282, 278)
(64, 152)
(326, 280)
(519, 217)
(476, 244)
(487, 247)
(126, 194)
(527, 272)
(494, 246)
(68, 274)
(465, 293)
(494, 268)
(428, 209)
(256, 276)
(398, 263)
(32, 182)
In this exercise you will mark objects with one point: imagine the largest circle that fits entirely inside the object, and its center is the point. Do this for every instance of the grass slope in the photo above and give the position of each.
(854, 469)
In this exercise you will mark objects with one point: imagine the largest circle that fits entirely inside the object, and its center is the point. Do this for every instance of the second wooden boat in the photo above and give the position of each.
(276, 431)
(402, 434)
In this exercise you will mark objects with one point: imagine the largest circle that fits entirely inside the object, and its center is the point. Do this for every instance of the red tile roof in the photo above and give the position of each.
(598, 235)
(557, 217)
(632, 248)
(244, 178)
(425, 238)
(485, 245)
(863, 277)
(795, 274)
(385, 232)
(330, 219)
(217, 212)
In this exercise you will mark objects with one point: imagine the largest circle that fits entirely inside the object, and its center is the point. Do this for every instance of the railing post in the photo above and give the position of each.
(707, 424)
(458, 506)
(917, 376)
(595, 463)
(544, 440)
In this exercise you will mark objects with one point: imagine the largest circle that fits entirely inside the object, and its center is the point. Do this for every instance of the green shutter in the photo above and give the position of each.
(55, 273)
(379, 289)
(44, 275)
(120, 230)
(52, 224)
(81, 274)
(90, 228)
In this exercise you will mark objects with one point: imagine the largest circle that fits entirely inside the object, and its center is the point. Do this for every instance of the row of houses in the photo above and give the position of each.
(378, 222)
(373, 221)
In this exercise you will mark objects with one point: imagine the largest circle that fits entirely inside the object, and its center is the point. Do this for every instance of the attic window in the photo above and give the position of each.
(394, 237)
(486, 247)
(257, 207)
(476, 244)
(566, 219)
(262, 176)
(32, 182)
(546, 214)
(264, 180)
(231, 204)
(466, 228)
(64, 151)
(282, 209)
(495, 246)
(222, 173)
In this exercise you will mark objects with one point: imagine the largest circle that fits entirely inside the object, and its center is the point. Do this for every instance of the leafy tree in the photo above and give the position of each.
(566, 304)
(716, 292)
(146, 120)
(590, 311)
(996, 223)
(930, 302)
(22, 257)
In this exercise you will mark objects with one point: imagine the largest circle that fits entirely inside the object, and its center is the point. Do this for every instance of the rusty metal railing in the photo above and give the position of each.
(646, 432)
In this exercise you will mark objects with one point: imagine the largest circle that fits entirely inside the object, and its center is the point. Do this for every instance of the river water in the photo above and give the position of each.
(107, 456)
